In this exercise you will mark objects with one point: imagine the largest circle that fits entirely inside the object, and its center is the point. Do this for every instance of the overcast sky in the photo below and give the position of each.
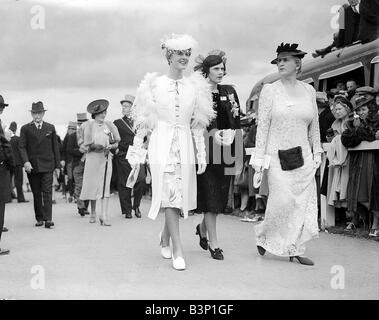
(92, 49)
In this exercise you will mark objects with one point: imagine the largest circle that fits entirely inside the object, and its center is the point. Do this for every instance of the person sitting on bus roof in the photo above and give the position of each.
(349, 19)
(369, 22)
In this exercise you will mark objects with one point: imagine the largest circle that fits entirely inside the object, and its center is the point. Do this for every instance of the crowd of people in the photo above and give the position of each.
(195, 135)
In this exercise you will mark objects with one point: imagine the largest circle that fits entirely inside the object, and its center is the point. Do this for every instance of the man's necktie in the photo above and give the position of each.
(39, 126)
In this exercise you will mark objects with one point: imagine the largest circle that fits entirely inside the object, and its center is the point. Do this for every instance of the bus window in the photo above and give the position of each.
(358, 75)
(375, 73)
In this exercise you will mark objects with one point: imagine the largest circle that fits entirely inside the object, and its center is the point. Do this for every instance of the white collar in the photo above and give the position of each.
(37, 124)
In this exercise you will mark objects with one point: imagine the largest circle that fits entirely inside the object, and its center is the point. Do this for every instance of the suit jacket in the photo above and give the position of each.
(15, 141)
(40, 147)
(126, 134)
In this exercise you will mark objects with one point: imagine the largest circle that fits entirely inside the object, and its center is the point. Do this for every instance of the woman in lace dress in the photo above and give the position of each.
(173, 108)
(213, 185)
(288, 121)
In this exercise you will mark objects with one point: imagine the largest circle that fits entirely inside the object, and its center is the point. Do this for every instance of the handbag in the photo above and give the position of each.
(242, 179)
(291, 159)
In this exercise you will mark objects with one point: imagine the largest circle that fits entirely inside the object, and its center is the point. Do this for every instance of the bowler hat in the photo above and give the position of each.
(81, 117)
(287, 49)
(97, 106)
(38, 107)
(128, 98)
(2, 103)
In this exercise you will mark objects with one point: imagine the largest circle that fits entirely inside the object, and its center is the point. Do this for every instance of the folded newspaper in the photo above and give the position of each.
(136, 154)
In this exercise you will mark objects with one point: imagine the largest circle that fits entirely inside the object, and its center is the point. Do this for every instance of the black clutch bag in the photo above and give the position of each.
(291, 159)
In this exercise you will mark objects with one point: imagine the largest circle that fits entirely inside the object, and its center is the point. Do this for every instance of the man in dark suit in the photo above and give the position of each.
(125, 128)
(18, 174)
(40, 155)
(6, 164)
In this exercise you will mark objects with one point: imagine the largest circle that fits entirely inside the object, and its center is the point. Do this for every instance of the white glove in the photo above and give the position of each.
(316, 160)
(225, 137)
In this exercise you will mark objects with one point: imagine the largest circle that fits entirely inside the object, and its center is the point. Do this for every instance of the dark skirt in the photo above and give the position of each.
(212, 189)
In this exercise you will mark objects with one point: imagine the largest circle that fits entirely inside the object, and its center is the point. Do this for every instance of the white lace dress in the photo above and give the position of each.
(291, 213)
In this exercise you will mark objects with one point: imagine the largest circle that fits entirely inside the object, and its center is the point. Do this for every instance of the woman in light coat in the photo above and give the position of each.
(175, 109)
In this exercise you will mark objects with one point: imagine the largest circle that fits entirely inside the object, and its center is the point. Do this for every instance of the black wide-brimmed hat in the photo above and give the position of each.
(2, 103)
(97, 106)
(287, 49)
(38, 107)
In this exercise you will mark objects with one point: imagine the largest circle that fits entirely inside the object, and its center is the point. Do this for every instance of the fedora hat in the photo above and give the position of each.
(72, 125)
(81, 117)
(97, 106)
(38, 107)
(128, 98)
(287, 49)
(2, 103)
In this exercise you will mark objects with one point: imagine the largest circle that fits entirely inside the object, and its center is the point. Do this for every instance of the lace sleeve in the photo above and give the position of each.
(314, 128)
(264, 122)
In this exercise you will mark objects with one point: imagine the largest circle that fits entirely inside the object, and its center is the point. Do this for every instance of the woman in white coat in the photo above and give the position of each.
(174, 109)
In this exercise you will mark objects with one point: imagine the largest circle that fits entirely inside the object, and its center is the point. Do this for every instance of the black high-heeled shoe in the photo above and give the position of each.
(203, 240)
(216, 253)
(261, 250)
(303, 260)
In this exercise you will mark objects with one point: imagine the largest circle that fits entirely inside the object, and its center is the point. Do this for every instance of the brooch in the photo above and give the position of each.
(235, 107)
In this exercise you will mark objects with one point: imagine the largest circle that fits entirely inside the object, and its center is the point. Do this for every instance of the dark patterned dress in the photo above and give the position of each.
(213, 185)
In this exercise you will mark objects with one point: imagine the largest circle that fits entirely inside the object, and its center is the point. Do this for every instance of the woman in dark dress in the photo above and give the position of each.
(221, 140)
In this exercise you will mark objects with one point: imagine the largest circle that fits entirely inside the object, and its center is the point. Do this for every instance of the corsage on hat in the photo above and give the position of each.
(287, 49)
(213, 58)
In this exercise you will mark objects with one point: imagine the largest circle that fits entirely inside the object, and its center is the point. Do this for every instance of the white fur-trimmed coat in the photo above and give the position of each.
(154, 110)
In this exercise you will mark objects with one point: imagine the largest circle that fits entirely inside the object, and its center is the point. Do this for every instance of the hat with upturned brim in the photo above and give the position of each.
(2, 103)
(38, 107)
(128, 98)
(97, 106)
(285, 50)
(362, 101)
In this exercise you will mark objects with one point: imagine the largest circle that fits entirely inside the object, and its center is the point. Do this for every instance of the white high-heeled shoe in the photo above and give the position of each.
(165, 251)
(178, 263)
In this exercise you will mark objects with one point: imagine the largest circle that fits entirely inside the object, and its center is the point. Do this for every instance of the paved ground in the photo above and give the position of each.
(87, 261)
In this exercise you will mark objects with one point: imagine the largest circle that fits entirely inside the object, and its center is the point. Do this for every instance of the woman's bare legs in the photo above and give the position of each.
(172, 225)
